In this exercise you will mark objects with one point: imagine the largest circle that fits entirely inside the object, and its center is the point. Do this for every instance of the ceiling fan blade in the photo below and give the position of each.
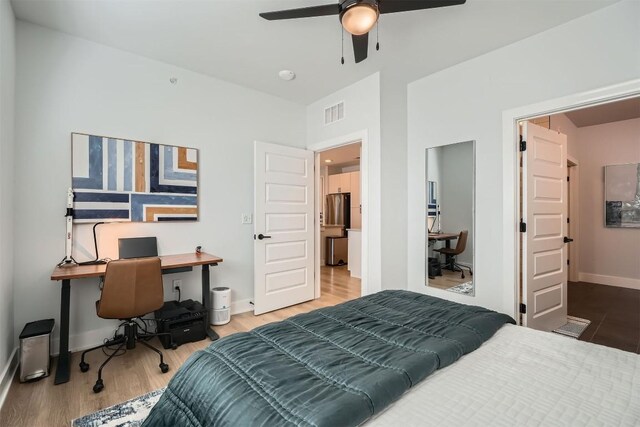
(393, 6)
(303, 12)
(360, 47)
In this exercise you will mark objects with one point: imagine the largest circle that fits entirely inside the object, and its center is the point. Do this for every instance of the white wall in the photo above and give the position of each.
(7, 79)
(362, 113)
(393, 191)
(434, 173)
(434, 168)
(67, 84)
(466, 102)
(607, 255)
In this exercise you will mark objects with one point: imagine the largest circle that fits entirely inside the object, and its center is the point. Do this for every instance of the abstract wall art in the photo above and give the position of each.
(622, 195)
(124, 180)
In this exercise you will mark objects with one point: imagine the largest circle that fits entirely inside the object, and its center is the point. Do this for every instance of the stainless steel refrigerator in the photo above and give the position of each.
(338, 213)
(338, 210)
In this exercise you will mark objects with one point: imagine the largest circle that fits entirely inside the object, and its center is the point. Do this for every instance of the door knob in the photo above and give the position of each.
(262, 236)
(567, 240)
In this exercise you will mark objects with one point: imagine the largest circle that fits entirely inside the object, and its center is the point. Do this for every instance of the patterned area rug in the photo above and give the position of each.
(126, 414)
(463, 288)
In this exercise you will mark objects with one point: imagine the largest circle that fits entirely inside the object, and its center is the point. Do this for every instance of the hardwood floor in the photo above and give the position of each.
(43, 404)
(449, 279)
(614, 314)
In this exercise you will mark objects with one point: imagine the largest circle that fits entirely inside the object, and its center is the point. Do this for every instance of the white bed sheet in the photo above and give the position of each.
(523, 377)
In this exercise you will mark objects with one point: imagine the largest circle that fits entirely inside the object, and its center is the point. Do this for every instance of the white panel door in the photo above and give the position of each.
(284, 227)
(544, 197)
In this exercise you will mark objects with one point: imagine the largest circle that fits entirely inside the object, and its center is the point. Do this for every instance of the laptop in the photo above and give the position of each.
(138, 247)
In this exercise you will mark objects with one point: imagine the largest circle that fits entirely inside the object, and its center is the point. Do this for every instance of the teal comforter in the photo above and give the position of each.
(336, 366)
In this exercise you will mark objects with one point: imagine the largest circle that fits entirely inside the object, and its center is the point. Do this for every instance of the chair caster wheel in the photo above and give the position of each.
(164, 368)
(84, 367)
(98, 387)
(174, 346)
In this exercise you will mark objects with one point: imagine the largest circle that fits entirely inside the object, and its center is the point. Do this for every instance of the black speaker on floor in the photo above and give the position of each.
(185, 321)
(434, 267)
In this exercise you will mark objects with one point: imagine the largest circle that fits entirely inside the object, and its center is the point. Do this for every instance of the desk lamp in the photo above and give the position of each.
(96, 261)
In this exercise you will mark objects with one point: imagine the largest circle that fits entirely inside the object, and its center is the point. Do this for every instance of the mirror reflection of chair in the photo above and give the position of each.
(452, 253)
(132, 288)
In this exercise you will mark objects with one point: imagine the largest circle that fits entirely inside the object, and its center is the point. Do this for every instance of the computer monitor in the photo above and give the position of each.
(138, 247)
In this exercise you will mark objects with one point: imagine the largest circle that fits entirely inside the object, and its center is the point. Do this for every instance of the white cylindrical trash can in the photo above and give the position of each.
(221, 306)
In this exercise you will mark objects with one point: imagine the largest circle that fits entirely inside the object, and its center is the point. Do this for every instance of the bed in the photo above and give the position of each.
(364, 361)
(524, 377)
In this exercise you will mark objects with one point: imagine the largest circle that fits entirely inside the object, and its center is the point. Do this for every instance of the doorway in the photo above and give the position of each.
(602, 225)
(339, 216)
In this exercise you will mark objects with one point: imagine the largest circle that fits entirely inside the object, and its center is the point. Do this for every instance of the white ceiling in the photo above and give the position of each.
(228, 40)
(341, 156)
(606, 113)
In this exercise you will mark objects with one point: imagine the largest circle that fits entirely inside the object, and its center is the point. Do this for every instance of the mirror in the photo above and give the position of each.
(450, 217)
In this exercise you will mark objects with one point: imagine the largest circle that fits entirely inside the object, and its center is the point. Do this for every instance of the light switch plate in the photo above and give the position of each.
(247, 218)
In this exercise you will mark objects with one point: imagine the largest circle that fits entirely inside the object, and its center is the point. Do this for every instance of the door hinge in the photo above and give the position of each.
(567, 179)
(523, 145)
(568, 220)
(523, 226)
(523, 308)
(567, 262)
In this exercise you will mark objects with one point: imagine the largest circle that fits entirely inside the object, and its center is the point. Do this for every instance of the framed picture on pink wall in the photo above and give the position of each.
(622, 195)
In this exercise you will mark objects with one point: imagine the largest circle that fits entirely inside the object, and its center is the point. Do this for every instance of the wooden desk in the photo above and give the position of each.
(168, 262)
(447, 237)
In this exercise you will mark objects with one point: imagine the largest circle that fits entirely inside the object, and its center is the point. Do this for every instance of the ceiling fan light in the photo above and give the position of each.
(359, 19)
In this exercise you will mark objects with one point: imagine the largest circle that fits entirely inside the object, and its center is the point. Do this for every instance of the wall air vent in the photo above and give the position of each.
(334, 113)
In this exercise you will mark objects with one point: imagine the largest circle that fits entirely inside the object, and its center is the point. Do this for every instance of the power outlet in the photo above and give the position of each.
(177, 284)
(247, 218)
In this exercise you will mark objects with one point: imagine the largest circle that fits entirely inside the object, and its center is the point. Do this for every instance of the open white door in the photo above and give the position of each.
(544, 198)
(284, 246)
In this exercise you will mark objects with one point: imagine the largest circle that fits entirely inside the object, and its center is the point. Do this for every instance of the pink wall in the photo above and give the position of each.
(609, 252)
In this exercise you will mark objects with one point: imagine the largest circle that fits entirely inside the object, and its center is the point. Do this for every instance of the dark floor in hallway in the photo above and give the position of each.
(614, 314)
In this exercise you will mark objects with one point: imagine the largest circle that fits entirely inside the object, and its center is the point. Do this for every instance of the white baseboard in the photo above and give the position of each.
(241, 306)
(622, 282)
(84, 340)
(6, 377)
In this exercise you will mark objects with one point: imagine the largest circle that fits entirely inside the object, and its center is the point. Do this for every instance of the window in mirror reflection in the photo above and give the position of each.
(450, 217)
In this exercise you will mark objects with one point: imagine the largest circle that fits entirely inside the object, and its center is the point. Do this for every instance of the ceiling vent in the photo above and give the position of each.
(334, 113)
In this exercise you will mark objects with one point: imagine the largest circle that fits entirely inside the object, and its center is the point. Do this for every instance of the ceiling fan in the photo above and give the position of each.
(358, 17)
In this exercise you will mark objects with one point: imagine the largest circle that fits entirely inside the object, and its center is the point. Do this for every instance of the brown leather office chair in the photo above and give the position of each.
(131, 289)
(451, 254)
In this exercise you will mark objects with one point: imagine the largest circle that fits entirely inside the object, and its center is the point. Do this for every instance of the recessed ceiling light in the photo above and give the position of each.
(287, 75)
(328, 161)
